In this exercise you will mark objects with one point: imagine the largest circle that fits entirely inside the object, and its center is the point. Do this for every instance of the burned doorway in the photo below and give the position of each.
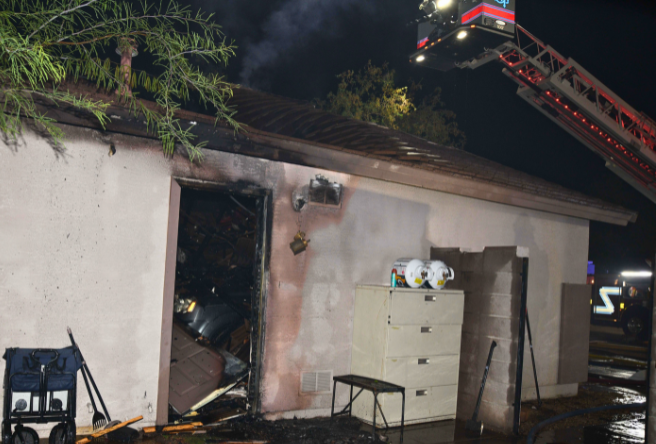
(217, 327)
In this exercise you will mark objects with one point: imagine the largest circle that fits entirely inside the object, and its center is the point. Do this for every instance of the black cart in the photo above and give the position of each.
(40, 386)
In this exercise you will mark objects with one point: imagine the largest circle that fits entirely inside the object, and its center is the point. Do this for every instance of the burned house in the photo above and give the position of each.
(151, 259)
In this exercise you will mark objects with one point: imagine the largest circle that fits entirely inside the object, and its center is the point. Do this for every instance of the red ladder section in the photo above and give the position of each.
(570, 96)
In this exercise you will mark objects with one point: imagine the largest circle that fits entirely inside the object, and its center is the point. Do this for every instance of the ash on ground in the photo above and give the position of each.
(291, 431)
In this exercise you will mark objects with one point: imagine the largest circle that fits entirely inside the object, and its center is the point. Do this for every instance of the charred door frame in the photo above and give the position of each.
(264, 203)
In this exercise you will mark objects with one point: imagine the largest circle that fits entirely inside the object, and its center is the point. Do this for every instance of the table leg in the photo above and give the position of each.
(351, 401)
(332, 409)
(402, 414)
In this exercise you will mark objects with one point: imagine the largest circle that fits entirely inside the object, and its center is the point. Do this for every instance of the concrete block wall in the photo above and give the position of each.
(574, 333)
(492, 284)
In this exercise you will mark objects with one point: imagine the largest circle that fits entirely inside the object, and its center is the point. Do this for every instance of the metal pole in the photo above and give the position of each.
(520, 348)
(535, 372)
(650, 433)
(332, 408)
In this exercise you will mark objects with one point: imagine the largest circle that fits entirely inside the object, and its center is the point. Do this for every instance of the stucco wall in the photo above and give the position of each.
(84, 238)
(81, 237)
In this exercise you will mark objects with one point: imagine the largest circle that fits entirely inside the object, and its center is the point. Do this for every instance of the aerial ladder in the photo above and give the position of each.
(558, 87)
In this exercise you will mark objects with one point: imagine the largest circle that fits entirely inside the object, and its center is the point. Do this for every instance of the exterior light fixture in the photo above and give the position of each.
(461, 35)
(299, 244)
(421, 58)
(636, 273)
(443, 4)
(428, 6)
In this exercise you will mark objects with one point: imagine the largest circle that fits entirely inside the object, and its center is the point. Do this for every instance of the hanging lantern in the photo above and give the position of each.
(299, 244)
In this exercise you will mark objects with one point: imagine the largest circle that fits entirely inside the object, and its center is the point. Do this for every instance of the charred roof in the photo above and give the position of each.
(302, 120)
(295, 131)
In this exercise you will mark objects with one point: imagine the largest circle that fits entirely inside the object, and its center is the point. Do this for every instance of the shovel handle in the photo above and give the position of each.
(84, 374)
(85, 368)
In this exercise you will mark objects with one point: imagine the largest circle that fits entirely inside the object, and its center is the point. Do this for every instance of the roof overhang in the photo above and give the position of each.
(255, 143)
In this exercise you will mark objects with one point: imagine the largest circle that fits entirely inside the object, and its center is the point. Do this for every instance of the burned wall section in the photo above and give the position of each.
(492, 283)
(84, 244)
(574, 333)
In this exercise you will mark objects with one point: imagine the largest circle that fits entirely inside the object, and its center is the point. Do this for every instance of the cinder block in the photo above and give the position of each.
(456, 283)
(494, 416)
(495, 391)
(501, 259)
(474, 356)
(440, 254)
(470, 280)
(502, 282)
(492, 304)
(479, 345)
(500, 372)
(493, 326)
(472, 262)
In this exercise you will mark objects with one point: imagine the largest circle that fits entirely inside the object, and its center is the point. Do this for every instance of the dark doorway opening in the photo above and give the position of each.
(216, 304)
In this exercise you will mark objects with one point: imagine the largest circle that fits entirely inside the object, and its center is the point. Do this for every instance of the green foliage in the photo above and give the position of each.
(430, 121)
(44, 44)
(369, 95)
(372, 95)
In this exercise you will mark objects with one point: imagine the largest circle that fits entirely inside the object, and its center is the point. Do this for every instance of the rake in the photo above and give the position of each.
(99, 420)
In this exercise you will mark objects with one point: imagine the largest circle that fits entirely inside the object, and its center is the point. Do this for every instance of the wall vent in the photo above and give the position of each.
(316, 382)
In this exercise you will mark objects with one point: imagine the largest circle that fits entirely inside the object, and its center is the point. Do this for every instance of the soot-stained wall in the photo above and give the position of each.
(84, 244)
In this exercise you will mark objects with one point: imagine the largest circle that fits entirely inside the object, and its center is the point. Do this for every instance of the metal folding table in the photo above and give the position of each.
(373, 385)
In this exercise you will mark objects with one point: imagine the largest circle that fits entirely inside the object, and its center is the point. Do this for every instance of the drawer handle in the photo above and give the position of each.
(426, 329)
(422, 392)
(423, 361)
(429, 298)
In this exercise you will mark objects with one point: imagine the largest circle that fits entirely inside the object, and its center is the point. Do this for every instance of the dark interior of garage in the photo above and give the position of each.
(211, 349)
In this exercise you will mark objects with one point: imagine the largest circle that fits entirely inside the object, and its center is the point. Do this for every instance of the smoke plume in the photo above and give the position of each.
(292, 26)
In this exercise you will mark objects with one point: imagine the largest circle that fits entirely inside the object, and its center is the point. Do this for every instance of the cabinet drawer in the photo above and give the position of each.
(422, 371)
(428, 402)
(423, 340)
(426, 308)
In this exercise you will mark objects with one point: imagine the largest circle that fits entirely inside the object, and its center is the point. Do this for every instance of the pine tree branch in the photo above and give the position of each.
(68, 11)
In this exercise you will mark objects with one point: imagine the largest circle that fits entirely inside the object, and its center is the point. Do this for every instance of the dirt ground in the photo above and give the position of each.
(590, 395)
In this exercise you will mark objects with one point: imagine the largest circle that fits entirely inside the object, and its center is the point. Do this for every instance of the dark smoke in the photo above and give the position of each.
(293, 26)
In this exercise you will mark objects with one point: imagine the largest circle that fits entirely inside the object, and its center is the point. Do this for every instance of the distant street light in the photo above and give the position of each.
(636, 273)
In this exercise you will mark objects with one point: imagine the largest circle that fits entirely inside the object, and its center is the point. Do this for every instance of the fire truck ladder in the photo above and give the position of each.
(579, 103)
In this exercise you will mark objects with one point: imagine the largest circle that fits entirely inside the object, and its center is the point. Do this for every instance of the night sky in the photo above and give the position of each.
(296, 48)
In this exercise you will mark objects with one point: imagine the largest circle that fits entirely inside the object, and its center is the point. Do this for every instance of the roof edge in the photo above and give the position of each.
(256, 143)
(336, 159)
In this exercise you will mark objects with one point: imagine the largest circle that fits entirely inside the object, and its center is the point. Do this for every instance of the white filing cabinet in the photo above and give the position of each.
(409, 337)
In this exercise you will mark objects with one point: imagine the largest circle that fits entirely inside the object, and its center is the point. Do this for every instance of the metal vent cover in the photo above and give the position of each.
(316, 382)
(324, 192)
